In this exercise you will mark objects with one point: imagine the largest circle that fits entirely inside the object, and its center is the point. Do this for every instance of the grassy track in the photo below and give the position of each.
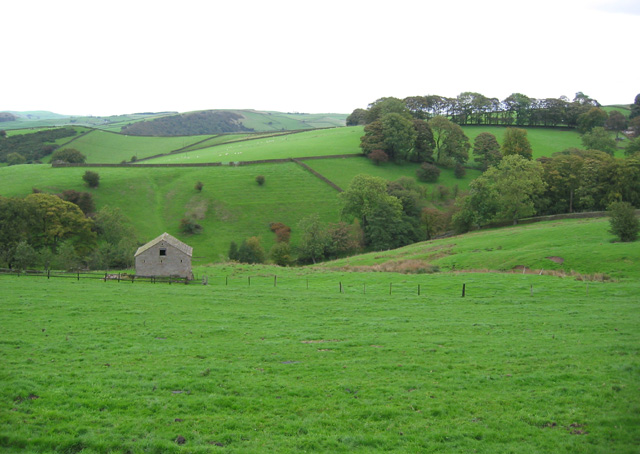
(117, 367)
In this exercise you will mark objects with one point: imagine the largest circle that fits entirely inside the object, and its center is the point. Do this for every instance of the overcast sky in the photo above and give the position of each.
(116, 57)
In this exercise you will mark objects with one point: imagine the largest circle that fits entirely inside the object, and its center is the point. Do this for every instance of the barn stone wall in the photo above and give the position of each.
(174, 262)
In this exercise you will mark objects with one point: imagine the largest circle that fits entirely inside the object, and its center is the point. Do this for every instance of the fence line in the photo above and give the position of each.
(103, 276)
(342, 285)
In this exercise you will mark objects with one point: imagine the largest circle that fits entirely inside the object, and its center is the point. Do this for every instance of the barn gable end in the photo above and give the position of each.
(164, 256)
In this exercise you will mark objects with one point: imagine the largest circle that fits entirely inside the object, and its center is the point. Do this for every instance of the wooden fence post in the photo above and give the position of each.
(418, 289)
(390, 284)
(463, 289)
(275, 281)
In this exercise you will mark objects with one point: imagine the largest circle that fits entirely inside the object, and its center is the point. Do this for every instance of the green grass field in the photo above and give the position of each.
(109, 148)
(544, 142)
(231, 207)
(309, 143)
(342, 170)
(248, 367)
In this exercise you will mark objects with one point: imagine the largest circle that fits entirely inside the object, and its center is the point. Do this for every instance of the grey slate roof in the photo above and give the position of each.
(173, 241)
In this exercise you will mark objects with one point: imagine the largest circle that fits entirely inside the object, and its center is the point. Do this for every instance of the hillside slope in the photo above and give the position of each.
(572, 246)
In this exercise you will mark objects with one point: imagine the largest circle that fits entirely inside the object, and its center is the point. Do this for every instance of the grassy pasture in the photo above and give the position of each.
(109, 148)
(544, 141)
(342, 170)
(231, 207)
(585, 245)
(102, 367)
(309, 143)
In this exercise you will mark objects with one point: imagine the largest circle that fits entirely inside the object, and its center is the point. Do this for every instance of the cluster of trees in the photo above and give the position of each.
(318, 242)
(188, 124)
(569, 181)
(70, 155)
(470, 108)
(396, 136)
(63, 231)
(31, 147)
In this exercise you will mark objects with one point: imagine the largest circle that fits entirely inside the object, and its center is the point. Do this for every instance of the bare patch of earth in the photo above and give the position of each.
(197, 208)
(222, 212)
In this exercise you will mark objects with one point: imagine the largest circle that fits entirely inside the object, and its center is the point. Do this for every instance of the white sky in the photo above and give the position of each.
(116, 57)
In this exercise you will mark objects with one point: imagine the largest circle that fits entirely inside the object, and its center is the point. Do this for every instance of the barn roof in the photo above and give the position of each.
(173, 241)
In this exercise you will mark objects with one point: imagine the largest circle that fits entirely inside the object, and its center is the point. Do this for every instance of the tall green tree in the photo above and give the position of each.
(373, 138)
(599, 139)
(384, 106)
(506, 192)
(399, 136)
(314, 242)
(363, 196)
(357, 117)
(486, 150)
(515, 142)
(451, 145)
(594, 117)
(616, 122)
(53, 220)
(424, 143)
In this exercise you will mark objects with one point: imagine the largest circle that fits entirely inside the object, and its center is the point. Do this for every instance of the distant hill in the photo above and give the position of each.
(189, 124)
(218, 121)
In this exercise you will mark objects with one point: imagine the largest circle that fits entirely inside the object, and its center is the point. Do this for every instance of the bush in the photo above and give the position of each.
(428, 173)
(459, 171)
(134, 158)
(283, 232)
(91, 178)
(189, 226)
(69, 155)
(281, 254)
(233, 251)
(84, 200)
(260, 179)
(251, 251)
(623, 223)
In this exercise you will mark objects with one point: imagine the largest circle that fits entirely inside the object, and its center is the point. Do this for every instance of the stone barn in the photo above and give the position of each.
(164, 256)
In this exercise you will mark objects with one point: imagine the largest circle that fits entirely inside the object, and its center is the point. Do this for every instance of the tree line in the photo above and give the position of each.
(470, 108)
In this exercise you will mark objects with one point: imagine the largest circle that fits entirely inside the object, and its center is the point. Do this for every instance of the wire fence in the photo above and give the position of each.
(324, 284)
(103, 276)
